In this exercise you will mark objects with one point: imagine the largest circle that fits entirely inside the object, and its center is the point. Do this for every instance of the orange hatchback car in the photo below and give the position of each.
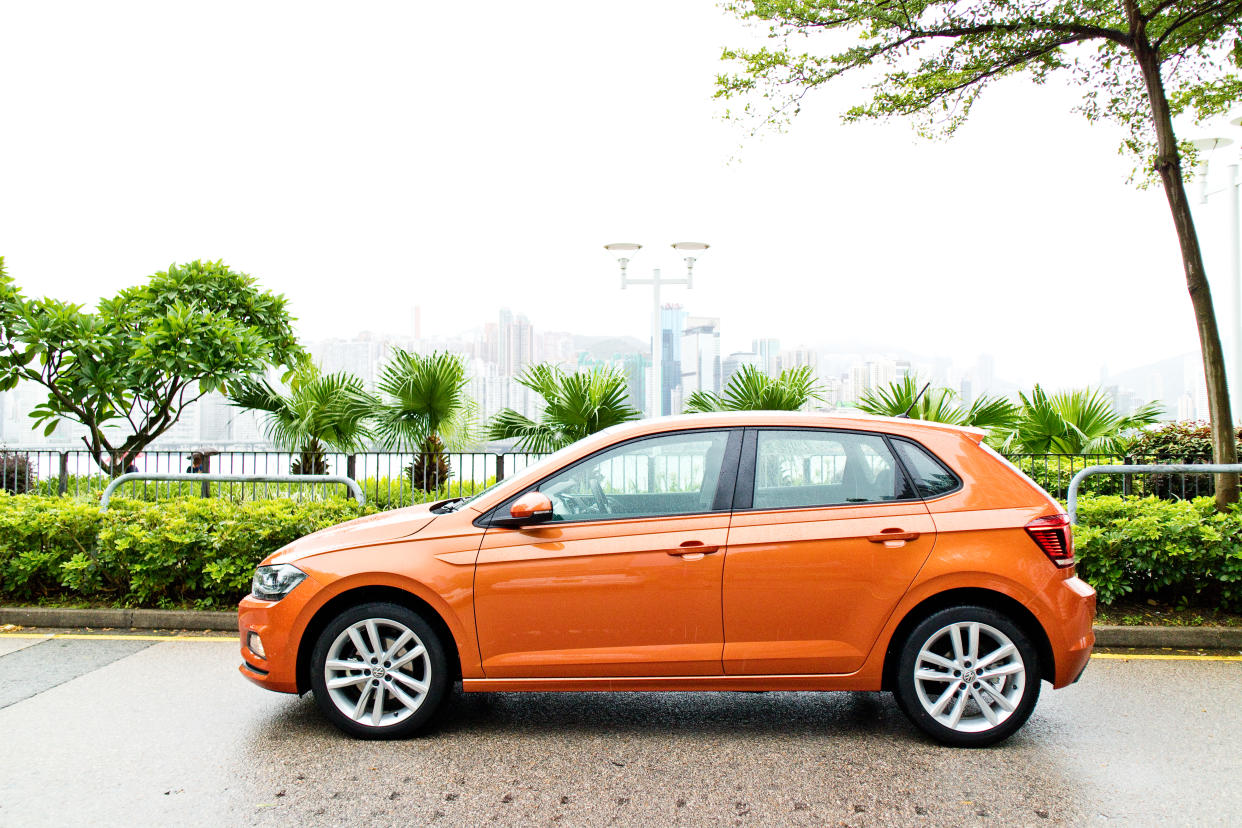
(748, 551)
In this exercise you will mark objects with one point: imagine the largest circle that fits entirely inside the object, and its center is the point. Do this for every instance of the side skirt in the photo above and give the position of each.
(848, 681)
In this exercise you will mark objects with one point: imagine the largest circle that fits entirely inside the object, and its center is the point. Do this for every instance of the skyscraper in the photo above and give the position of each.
(672, 325)
(700, 355)
(769, 351)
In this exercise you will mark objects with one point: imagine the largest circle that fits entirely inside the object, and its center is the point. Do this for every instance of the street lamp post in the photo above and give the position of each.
(624, 252)
(1231, 189)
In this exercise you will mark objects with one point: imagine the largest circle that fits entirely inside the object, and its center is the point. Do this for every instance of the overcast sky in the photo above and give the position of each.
(367, 158)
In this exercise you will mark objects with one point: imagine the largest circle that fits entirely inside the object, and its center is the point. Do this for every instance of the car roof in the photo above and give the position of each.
(793, 419)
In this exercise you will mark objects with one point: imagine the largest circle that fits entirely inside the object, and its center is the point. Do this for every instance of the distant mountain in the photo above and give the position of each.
(606, 347)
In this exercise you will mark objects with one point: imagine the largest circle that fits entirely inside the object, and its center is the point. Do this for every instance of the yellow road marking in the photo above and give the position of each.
(108, 637)
(1160, 657)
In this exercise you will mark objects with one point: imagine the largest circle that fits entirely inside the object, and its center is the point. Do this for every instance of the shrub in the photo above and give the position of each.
(1180, 442)
(37, 536)
(200, 551)
(1183, 552)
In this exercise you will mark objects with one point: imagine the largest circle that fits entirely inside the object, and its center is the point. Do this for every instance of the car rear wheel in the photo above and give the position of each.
(968, 676)
(379, 671)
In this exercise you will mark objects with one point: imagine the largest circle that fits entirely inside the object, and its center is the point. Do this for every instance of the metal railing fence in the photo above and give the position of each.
(393, 479)
(388, 479)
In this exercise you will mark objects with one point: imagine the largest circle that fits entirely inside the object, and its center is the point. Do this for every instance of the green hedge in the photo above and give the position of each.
(199, 552)
(1183, 552)
(202, 552)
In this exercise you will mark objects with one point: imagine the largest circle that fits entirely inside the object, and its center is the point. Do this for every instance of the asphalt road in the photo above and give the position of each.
(143, 732)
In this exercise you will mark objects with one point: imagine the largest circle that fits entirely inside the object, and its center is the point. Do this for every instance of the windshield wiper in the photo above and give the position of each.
(450, 506)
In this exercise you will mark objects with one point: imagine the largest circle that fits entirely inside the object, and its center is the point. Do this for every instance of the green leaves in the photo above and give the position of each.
(1082, 421)
(932, 59)
(752, 390)
(148, 554)
(329, 408)
(1176, 550)
(937, 405)
(424, 396)
(146, 353)
(575, 405)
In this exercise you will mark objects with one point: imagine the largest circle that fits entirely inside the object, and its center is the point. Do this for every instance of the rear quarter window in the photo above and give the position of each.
(932, 478)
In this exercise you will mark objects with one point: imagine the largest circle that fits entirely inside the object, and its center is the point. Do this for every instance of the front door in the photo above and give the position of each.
(827, 538)
(626, 579)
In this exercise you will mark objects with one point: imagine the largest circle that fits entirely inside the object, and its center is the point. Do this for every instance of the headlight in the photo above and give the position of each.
(271, 583)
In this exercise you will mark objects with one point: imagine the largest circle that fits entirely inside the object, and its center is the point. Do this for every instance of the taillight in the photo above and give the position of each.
(1053, 535)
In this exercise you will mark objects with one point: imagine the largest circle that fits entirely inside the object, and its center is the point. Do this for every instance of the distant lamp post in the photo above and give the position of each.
(624, 252)
(1208, 147)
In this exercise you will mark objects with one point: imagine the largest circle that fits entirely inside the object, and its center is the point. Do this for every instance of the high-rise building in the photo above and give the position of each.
(357, 356)
(731, 364)
(769, 351)
(516, 342)
(700, 355)
(672, 325)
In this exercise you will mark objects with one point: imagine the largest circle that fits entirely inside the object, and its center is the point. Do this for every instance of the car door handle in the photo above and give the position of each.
(889, 535)
(692, 550)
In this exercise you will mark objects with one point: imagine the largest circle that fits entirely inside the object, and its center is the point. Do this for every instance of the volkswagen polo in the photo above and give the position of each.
(745, 551)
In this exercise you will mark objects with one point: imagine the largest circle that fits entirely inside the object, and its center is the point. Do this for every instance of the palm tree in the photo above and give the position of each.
(1082, 421)
(318, 411)
(938, 405)
(425, 409)
(575, 405)
(752, 390)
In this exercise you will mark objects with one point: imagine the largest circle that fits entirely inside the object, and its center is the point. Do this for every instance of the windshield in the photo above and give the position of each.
(540, 467)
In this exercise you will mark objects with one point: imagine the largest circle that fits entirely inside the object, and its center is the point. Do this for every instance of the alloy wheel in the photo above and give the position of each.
(969, 677)
(377, 672)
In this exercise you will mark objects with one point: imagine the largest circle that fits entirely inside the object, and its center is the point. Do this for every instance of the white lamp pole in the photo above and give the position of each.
(624, 251)
(1208, 145)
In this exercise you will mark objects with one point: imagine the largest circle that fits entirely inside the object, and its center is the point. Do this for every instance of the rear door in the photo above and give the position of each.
(827, 535)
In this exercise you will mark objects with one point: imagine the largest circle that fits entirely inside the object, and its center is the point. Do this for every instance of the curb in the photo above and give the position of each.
(1185, 638)
(134, 619)
(1188, 638)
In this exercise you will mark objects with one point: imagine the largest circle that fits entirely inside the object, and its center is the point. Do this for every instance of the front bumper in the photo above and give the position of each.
(277, 624)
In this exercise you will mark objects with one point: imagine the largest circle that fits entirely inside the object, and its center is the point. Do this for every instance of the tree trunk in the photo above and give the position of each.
(1169, 166)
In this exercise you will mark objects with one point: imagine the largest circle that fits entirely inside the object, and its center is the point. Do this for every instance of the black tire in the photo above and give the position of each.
(403, 712)
(931, 703)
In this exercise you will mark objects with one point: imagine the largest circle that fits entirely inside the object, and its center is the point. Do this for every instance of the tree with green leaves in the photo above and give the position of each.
(1141, 63)
(318, 412)
(750, 389)
(424, 408)
(127, 371)
(575, 405)
(938, 405)
(1082, 421)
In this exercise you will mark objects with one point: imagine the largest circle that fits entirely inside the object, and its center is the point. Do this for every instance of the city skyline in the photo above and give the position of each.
(496, 352)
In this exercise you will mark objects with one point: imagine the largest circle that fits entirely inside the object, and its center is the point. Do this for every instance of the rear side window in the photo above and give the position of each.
(931, 477)
(798, 469)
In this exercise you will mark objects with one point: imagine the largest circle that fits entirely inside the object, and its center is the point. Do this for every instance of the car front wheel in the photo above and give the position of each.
(379, 671)
(968, 676)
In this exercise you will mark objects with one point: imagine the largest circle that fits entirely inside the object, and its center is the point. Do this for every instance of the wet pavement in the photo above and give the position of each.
(124, 732)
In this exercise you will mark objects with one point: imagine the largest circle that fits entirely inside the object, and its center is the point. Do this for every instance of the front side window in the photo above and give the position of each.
(796, 469)
(672, 474)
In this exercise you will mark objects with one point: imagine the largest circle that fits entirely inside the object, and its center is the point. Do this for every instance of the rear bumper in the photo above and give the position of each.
(1073, 604)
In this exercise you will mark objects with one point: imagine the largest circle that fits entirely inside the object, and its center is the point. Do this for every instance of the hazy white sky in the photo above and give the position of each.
(365, 158)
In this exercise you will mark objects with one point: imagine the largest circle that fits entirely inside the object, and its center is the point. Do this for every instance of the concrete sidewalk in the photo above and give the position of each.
(1190, 638)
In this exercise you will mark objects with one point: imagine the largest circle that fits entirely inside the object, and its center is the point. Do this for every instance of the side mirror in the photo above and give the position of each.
(532, 507)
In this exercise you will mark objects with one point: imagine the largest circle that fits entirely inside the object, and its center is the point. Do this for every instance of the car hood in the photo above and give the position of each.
(364, 531)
